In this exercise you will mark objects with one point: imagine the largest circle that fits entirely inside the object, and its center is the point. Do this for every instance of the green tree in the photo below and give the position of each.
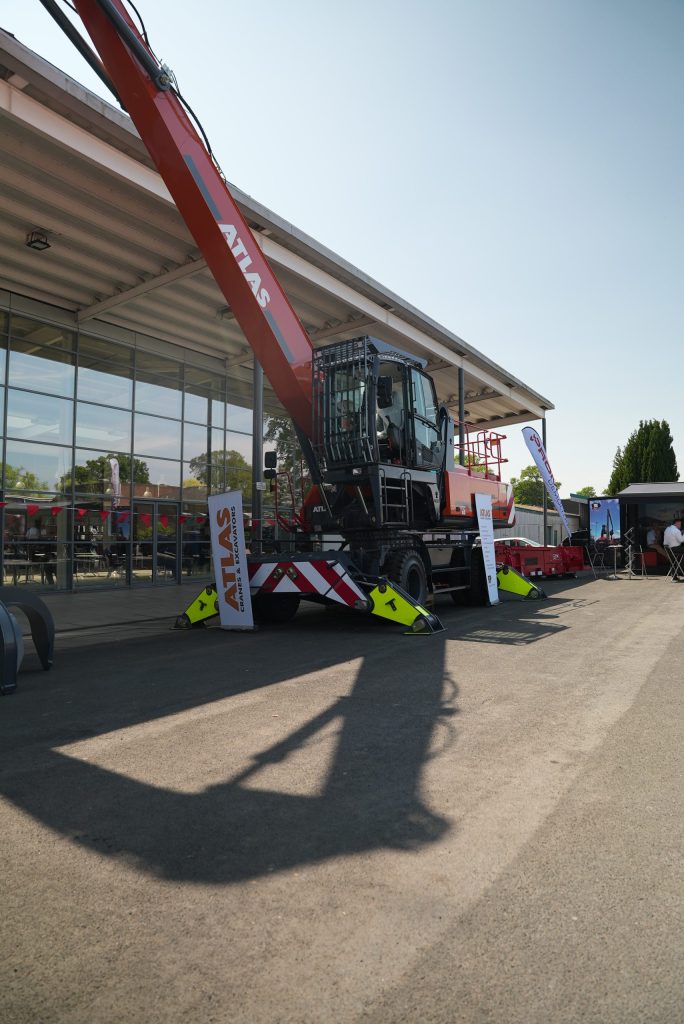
(19, 479)
(529, 489)
(647, 457)
(586, 492)
(280, 433)
(224, 464)
(96, 474)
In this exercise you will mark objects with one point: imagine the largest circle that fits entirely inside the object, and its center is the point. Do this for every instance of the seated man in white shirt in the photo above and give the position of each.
(673, 538)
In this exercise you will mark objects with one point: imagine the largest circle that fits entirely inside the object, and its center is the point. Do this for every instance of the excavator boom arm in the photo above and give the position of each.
(243, 274)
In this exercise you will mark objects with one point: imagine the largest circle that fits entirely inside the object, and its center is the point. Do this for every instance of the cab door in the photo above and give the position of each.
(427, 439)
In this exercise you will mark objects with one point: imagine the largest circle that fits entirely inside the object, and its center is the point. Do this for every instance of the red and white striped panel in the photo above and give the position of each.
(326, 578)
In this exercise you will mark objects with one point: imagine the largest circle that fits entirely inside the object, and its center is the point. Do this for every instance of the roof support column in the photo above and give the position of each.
(461, 415)
(544, 488)
(257, 458)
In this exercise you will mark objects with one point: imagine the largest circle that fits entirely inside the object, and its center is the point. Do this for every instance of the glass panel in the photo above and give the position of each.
(423, 397)
(157, 436)
(34, 551)
(195, 482)
(196, 407)
(101, 546)
(38, 333)
(167, 546)
(163, 479)
(105, 372)
(201, 479)
(218, 413)
(158, 385)
(240, 419)
(204, 390)
(95, 474)
(3, 355)
(239, 392)
(39, 417)
(107, 385)
(197, 442)
(157, 398)
(35, 468)
(160, 366)
(196, 542)
(44, 368)
(106, 429)
(143, 535)
(240, 443)
(4, 319)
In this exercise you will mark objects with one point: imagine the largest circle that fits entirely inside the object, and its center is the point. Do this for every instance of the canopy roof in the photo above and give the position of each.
(74, 166)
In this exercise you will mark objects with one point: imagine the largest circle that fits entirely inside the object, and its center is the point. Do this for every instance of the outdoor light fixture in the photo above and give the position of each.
(37, 239)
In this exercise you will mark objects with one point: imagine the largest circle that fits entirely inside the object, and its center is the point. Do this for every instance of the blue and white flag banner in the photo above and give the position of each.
(534, 443)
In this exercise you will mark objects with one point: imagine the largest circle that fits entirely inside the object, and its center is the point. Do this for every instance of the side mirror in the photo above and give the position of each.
(384, 392)
(270, 474)
(270, 460)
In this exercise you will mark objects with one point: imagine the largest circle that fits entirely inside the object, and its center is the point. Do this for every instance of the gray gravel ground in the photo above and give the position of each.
(333, 822)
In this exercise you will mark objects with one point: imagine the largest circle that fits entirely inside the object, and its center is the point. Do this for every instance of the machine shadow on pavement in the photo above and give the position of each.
(368, 797)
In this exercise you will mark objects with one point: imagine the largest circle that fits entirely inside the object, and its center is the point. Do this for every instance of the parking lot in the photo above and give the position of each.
(331, 821)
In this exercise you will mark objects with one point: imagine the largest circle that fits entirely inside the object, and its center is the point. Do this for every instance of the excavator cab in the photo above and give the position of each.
(374, 405)
(377, 435)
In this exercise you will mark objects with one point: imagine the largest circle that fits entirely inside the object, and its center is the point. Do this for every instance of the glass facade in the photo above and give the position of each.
(110, 450)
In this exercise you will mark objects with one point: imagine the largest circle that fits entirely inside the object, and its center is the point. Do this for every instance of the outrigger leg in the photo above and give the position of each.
(513, 582)
(389, 601)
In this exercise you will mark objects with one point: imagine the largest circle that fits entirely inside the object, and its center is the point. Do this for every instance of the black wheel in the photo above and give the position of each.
(407, 569)
(478, 593)
(275, 608)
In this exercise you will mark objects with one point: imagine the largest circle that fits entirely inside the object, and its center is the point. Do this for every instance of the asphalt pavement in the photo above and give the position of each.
(332, 821)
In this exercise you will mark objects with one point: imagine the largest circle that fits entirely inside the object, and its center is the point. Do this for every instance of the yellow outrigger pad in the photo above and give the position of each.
(393, 603)
(199, 610)
(513, 582)
(388, 601)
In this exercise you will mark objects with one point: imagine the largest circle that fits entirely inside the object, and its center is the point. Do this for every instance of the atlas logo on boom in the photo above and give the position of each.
(244, 262)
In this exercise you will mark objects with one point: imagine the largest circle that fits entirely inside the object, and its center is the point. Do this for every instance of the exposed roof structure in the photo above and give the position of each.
(74, 166)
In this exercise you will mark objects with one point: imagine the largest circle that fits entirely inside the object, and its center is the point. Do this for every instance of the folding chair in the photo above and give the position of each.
(597, 559)
(675, 561)
(636, 563)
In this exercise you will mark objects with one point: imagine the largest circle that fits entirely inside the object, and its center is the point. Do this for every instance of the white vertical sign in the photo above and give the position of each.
(483, 504)
(230, 560)
(534, 443)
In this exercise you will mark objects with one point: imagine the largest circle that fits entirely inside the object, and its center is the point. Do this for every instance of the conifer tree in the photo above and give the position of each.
(647, 457)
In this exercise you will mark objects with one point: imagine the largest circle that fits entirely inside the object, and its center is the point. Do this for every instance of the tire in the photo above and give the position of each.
(274, 609)
(408, 570)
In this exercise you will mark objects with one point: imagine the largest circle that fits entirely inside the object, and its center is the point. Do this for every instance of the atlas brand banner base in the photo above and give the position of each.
(483, 504)
(230, 560)
(534, 443)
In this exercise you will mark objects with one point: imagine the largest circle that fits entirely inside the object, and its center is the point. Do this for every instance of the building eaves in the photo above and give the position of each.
(67, 97)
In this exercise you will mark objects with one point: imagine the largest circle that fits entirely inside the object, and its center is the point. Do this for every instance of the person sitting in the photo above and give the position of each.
(653, 541)
(673, 538)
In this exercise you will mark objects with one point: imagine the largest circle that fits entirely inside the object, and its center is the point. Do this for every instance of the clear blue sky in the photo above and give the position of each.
(513, 169)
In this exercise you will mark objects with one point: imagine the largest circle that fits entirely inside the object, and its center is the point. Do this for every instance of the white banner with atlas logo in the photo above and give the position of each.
(230, 560)
(534, 443)
(485, 522)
